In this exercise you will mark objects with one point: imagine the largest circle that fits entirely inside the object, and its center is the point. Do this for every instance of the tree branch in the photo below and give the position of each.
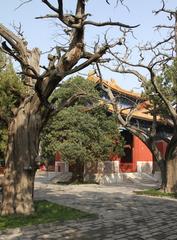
(158, 44)
(163, 9)
(50, 5)
(21, 4)
(47, 16)
(109, 23)
(172, 112)
(117, 111)
(60, 8)
(53, 111)
(93, 58)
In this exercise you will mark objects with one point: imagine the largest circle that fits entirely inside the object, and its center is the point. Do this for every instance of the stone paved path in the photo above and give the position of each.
(122, 215)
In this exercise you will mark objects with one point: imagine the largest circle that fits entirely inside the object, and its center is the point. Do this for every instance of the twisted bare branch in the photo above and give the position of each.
(110, 23)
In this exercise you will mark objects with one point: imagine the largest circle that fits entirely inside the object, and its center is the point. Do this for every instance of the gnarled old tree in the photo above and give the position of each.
(162, 55)
(146, 135)
(33, 111)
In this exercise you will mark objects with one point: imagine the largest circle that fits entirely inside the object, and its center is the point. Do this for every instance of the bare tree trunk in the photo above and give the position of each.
(159, 160)
(172, 175)
(20, 168)
(171, 157)
(78, 172)
(163, 171)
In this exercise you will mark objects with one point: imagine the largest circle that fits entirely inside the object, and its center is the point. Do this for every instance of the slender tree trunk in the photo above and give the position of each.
(171, 164)
(171, 175)
(78, 172)
(20, 165)
(163, 171)
(172, 172)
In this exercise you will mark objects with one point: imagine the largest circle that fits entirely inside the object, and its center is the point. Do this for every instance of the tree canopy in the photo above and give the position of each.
(83, 132)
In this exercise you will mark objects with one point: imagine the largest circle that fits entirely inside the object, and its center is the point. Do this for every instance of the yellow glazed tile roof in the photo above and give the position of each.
(142, 109)
(112, 84)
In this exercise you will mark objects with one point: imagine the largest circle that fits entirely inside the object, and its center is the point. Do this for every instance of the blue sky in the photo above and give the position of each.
(43, 33)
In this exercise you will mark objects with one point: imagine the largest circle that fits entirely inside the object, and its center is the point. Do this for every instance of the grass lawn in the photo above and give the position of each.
(45, 212)
(156, 193)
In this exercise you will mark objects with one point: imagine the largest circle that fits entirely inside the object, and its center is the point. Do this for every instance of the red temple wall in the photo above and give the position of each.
(140, 151)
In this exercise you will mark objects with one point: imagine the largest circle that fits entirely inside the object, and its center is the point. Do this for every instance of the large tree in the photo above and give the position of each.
(153, 72)
(29, 118)
(147, 135)
(84, 132)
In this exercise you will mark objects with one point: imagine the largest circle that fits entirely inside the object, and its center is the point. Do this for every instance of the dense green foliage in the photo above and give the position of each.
(167, 83)
(45, 212)
(82, 132)
(11, 91)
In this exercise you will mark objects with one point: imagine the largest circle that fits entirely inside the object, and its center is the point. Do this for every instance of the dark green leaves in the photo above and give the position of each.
(82, 132)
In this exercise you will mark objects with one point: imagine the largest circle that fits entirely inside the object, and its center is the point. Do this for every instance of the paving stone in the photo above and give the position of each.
(122, 215)
(172, 237)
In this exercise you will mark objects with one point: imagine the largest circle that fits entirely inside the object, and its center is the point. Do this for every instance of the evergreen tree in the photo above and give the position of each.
(82, 132)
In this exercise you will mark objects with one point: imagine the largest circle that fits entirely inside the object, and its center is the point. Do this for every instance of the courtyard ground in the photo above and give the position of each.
(122, 215)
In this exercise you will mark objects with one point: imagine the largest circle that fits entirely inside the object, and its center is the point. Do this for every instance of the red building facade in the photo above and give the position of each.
(137, 157)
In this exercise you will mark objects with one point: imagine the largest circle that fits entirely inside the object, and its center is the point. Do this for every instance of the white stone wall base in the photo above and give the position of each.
(145, 167)
(112, 178)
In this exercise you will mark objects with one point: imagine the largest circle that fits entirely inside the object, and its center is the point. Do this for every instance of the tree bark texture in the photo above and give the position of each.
(172, 175)
(20, 168)
(151, 144)
(22, 150)
(171, 161)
